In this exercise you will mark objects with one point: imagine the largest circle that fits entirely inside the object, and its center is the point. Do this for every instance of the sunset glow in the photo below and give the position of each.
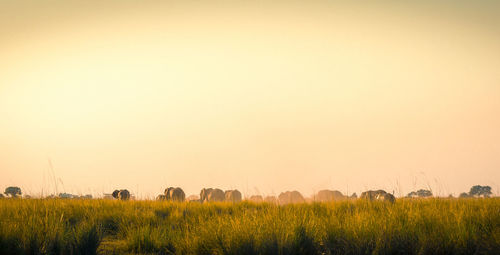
(262, 97)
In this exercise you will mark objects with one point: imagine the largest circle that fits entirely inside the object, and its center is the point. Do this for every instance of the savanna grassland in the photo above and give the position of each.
(410, 226)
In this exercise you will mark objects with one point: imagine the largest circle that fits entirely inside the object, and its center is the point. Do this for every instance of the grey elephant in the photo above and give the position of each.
(256, 199)
(386, 197)
(329, 195)
(232, 196)
(371, 194)
(161, 197)
(122, 194)
(175, 194)
(212, 195)
(381, 195)
(290, 197)
(13, 191)
(115, 193)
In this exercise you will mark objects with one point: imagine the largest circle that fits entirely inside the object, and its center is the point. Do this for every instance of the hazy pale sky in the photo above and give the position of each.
(262, 97)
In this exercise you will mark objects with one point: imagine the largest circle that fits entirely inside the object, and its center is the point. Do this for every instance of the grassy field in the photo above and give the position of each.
(431, 226)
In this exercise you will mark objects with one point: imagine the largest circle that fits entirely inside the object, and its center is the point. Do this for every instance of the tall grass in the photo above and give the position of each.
(431, 226)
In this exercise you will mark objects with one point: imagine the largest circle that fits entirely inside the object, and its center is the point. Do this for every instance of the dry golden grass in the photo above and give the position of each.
(410, 226)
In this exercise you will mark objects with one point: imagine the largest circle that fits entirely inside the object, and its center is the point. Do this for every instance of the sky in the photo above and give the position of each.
(259, 96)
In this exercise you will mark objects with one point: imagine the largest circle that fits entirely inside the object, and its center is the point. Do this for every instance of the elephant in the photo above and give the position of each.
(256, 199)
(329, 195)
(232, 196)
(13, 191)
(124, 195)
(161, 197)
(212, 195)
(175, 194)
(290, 197)
(372, 194)
(386, 197)
(271, 200)
(115, 193)
(381, 195)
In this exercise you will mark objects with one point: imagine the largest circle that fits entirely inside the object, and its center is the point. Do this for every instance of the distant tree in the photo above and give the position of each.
(13, 191)
(420, 193)
(480, 191)
(424, 193)
(354, 195)
(463, 195)
(65, 195)
(412, 194)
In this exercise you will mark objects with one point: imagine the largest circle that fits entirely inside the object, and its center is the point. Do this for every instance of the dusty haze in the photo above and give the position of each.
(249, 95)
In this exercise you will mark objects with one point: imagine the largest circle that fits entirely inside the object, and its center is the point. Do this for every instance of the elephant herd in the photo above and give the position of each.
(234, 196)
(217, 195)
(288, 197)
(206, 195)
